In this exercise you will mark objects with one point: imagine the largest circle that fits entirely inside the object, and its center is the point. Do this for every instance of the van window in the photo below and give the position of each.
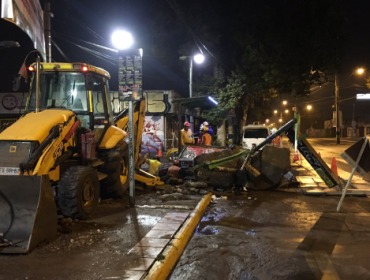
(255, 133)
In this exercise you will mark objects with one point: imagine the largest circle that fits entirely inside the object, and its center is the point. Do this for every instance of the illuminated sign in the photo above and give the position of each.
(363, 96)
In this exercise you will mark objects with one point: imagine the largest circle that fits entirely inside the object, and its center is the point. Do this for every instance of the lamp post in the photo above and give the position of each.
(199, 58)
(123, 40)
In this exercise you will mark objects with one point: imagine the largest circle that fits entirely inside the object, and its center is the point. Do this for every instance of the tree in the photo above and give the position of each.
(280, 47)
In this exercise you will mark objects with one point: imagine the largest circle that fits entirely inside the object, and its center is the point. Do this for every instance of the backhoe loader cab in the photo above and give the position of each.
(80, 88)
(66, 152)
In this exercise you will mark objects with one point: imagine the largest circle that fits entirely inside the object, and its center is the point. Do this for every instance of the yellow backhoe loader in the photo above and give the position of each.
(65, 152)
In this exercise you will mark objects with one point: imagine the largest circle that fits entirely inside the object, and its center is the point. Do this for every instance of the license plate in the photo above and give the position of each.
(9, 170)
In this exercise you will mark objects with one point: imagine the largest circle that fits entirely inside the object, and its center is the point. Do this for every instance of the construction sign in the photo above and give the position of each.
(313, 158)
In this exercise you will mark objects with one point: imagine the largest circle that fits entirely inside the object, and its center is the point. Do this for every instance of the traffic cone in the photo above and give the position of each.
(334, 166)
(159, 151)
(296, 156)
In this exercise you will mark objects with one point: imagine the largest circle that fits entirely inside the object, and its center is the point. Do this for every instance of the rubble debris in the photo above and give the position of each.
(169, 179)
(215, 198)
(272, 163)
(197, 185)
(223, 176)
(166, 188)
(203, 192)
(173, 197)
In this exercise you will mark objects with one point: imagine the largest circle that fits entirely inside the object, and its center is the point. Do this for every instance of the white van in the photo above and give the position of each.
(254, 134)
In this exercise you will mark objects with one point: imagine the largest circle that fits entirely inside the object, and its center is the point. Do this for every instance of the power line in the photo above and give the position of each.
(181, 17)
(60, 50)
(100, 55)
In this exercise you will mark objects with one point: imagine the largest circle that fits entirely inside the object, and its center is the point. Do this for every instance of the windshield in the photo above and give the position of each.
(60, 90)
(255, 133)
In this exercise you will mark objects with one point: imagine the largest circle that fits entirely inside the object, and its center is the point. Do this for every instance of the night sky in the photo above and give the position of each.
(76, 21)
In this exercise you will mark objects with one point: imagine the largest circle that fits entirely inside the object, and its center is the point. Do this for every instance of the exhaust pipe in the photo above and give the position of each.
(37, 84)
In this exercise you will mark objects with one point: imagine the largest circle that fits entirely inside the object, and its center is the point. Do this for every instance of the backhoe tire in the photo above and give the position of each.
(115, 166)
(78, 192)
(111, 186)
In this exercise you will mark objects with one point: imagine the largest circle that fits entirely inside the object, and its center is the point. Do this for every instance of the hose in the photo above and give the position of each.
(12, 215)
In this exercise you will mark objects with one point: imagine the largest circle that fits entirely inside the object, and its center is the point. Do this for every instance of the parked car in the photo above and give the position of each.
(254, 135)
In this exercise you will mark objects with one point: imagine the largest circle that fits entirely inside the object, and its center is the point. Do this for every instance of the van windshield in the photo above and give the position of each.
(255, 133)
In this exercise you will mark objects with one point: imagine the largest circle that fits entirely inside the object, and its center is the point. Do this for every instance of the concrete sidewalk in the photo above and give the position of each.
(311, 183)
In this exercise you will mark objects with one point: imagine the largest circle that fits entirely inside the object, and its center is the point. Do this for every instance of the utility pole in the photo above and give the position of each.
(190, 76)
(47, 30)
(337, 129)
(131, 130)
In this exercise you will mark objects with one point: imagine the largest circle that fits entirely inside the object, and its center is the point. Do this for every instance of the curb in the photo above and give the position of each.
(173, 251)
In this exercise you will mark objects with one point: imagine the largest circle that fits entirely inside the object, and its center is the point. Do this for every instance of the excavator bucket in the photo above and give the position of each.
(28, 214)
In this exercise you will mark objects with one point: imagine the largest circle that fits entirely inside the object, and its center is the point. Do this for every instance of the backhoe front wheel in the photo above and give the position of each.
(78, 192)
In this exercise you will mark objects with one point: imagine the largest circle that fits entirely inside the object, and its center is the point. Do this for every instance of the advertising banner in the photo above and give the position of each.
(153, 135)
(130, 77)
(27, 15)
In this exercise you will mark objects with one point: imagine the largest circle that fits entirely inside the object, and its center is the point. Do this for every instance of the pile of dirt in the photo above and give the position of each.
(166, 191)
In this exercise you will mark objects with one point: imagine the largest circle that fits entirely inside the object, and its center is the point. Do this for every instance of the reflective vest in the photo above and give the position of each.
(207, 139)
(276, 142)
(154, 166)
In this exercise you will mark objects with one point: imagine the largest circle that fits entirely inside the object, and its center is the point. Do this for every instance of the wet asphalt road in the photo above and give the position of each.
(277, 235)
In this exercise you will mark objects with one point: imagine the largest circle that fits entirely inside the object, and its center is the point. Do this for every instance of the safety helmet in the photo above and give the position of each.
(186, 124)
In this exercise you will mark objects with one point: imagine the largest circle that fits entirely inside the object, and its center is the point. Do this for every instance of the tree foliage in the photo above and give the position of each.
(280, 47)
(265, 48)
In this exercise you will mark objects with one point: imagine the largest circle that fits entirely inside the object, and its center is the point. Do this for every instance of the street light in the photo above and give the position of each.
(198, 58)
(122, 40)
(309, 107)
(360, 71)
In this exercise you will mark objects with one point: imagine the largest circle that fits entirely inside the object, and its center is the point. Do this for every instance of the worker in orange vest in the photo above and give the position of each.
(206, 137)
(276, 141)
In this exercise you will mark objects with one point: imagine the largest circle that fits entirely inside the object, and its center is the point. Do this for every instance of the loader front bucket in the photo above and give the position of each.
(28, 214)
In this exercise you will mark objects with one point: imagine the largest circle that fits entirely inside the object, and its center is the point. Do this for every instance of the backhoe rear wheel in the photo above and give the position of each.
(78, 192)
(115, 166)
(116, 184)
